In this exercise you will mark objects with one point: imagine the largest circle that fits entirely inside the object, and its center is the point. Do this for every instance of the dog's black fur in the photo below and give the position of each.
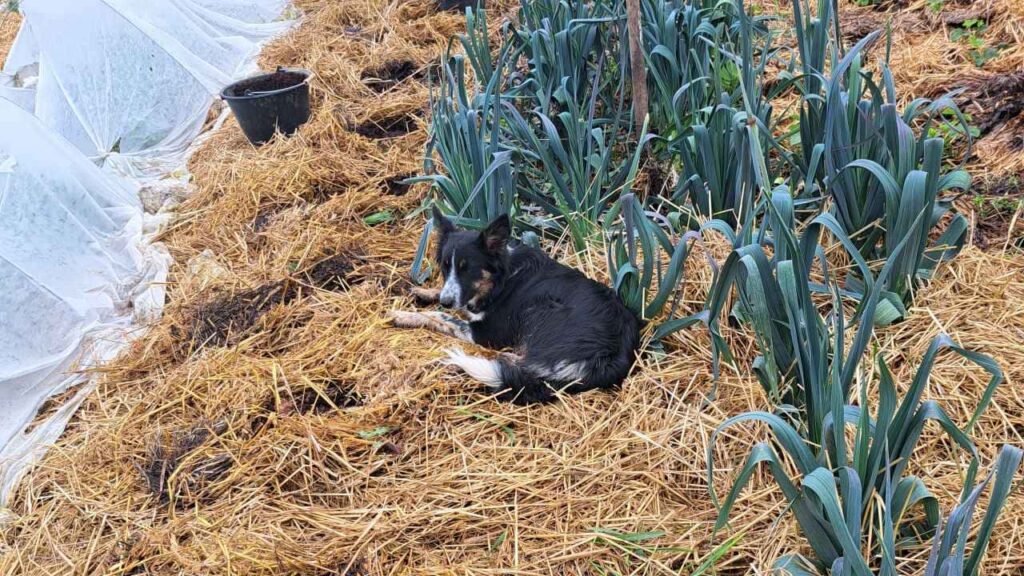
(565, 331)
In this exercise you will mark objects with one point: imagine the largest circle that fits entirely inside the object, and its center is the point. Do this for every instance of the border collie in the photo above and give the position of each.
(560, 330)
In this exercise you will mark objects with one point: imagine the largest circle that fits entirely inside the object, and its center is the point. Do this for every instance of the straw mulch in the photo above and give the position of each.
(272, 423)
(9, 24)
(927, 62)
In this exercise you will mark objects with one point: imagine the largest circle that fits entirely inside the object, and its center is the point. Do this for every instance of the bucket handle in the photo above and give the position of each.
(281, 69)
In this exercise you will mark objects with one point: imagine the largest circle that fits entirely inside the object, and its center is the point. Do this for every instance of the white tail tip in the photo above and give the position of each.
(482, 369)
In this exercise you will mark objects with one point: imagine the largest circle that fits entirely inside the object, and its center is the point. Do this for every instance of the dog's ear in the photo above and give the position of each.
(442, 224)
(495, 236)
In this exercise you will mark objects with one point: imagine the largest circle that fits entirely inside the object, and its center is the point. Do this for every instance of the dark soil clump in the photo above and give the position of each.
(214, 323)
(994, 211)
(857, 25)
(390, 75)
(956, 17)
(334, 273)
(395, 187)
(334, 394)
(1016, 143)
(390, 127)
(277, 81)
(166, 454)
(457, 5)
(1000, 99)
(354, 568)
(262, 219)
(657, 181)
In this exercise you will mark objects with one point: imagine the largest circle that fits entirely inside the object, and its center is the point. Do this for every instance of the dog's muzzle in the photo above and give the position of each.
(451, 292)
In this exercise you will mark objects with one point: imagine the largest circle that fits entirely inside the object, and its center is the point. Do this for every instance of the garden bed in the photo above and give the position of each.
(316, 440)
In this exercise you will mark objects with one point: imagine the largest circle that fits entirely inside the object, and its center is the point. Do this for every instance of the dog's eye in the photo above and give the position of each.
(462, 265)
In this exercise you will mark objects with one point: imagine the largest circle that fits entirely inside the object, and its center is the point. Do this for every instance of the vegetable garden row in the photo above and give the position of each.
(835, 194)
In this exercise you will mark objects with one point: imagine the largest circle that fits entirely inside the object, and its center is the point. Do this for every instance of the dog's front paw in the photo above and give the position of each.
(425, 296)
(402, 319)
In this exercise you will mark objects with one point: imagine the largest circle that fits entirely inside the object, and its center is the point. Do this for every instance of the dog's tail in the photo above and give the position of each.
(484, 370)
(505, 376)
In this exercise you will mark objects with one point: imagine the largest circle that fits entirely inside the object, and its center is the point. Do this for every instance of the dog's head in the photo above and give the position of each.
(472, 263)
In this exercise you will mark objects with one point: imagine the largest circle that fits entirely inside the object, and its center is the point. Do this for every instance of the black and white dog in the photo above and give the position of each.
(560, 329)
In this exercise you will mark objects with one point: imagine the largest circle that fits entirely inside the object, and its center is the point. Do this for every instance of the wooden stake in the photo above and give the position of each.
(637, 65)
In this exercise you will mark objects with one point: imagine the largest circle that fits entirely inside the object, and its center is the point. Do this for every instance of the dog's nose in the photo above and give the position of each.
(446, 300)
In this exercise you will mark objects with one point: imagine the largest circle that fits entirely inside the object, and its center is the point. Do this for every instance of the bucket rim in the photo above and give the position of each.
(305, 81)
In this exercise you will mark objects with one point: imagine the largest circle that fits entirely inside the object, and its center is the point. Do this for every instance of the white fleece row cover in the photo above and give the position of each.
(96, 97)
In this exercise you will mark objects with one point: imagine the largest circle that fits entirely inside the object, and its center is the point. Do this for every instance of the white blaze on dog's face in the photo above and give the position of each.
(451, 293)
(470, 262)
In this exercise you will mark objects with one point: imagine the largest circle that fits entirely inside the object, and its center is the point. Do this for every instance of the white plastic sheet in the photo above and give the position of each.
(133, 87)
(96, 96)
(75, 267)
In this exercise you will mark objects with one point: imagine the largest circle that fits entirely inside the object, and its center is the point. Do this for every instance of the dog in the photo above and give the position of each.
(560, 330)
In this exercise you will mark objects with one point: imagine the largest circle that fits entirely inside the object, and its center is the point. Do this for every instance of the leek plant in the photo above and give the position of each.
(563, 43)
(869, 133)
(477, 184)
(646, 267)
(567, 115)
(815, 53)
(719, 161)
(571, 166)
(716, 177)
(477, 46)
(679, 41)
(859, 152)
(910, 184)
(776, 300)
(854, 501)
(949, 547)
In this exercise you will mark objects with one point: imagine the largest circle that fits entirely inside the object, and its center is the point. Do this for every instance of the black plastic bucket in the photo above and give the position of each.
(265, 104)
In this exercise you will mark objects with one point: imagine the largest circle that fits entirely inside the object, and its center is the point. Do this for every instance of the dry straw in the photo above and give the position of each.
(9, 24)
(315, 440)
